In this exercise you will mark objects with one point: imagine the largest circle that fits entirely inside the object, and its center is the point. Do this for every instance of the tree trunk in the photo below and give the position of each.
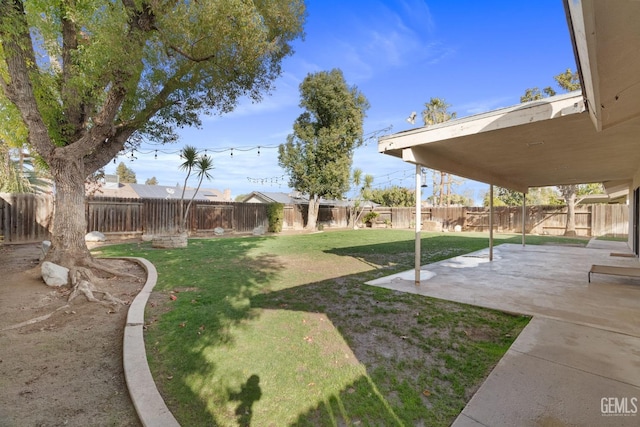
(570, 230)
(569, 194)
(68, 247)
(312, 213)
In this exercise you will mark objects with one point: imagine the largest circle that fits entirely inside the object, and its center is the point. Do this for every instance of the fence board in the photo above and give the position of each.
(26, 217)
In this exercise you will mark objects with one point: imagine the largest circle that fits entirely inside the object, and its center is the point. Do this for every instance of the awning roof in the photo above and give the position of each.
(556, 140)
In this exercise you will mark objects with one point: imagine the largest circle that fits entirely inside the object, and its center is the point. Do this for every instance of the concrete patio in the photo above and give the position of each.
(577, 363)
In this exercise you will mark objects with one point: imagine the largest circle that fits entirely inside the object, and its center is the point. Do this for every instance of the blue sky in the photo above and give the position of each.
(478, 56)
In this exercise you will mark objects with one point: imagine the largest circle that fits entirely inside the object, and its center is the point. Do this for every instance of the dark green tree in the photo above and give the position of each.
(151, 181)
(318, 154)
(393, 196)
(91, 78)
(125, 174)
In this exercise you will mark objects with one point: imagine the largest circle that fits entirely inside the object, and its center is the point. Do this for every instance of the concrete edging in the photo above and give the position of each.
(144, 394)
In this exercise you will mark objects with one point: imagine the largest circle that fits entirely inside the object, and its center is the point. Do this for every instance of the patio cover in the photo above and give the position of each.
(587, 136)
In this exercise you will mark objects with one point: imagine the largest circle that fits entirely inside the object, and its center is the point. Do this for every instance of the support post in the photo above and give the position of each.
(418, 222)
(491, 222)
(524, 217)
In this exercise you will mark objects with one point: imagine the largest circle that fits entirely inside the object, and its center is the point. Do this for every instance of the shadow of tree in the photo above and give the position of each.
(189, 311)
(409, 347)
(424, 358)
(249, 393)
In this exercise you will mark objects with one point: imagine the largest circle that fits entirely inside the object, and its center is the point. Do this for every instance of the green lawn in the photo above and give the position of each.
(281, 330)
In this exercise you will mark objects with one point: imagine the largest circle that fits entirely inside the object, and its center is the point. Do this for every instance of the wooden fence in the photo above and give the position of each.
(26, 217)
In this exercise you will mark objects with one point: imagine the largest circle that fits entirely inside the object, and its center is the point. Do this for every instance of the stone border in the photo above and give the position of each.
(148, 402)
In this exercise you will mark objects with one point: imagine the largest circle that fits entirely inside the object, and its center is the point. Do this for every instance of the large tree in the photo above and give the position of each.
(92, 78)
(318, 154)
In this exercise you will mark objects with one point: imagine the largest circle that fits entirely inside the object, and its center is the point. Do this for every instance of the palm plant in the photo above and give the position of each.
(201, 164)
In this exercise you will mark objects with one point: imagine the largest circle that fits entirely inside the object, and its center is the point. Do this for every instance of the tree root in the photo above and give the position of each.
(95, 264)
(81, 280)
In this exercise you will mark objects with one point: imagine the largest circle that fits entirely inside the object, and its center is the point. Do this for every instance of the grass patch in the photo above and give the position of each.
(613, 238)
(282, 331)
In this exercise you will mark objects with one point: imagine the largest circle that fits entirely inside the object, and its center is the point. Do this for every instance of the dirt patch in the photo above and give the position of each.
(61, 363)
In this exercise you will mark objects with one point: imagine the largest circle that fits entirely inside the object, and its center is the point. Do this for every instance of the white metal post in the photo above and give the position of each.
(418, 222)
(491, 222)
(524, 217)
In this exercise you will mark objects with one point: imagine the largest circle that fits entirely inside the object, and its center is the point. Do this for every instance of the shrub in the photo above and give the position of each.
(275, 213)
(370, 217)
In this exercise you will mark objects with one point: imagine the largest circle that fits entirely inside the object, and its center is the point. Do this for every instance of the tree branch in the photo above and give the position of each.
(71, 99)
(21, 63)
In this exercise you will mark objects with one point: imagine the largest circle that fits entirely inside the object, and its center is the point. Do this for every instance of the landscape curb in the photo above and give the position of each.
(144, 394)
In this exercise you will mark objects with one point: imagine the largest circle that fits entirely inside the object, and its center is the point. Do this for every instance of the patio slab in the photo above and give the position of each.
(578, 360)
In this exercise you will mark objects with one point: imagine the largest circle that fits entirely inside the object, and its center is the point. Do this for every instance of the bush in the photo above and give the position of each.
(275, 213)
(370, 217)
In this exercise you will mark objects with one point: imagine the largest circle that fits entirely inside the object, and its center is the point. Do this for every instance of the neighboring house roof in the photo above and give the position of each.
(295, 198)
(581, 137)
(274, 197)
(142, 191)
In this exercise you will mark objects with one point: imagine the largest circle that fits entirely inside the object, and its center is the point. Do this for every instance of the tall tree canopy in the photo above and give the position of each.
(90, 78)
(126, 174)
(319, 153)
(393, 196)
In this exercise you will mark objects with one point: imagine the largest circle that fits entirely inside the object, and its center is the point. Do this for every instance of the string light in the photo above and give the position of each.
(271, 181)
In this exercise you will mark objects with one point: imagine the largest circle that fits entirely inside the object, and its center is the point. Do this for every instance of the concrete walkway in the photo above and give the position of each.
(577, 363)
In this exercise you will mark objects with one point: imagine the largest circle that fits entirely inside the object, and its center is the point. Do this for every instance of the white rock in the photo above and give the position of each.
(218, 231)
(94, 236)
(258, 231)
(457, 229)
(54, 275)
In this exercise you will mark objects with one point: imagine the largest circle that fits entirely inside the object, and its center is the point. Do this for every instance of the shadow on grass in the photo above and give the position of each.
(195, 308)
(438, 246)
(424, 358)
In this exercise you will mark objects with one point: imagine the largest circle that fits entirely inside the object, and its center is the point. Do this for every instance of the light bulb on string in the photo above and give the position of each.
(156, 155)
(232, 153)
(258, 151)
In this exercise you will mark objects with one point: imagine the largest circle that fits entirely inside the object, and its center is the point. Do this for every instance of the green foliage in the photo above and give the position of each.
(13, 133)
(370, 217)
(592, 188)
(151, 181)
(569, 81)
(535, 196)
(393, 196)
(318, 154)
(437, 111)
(125, 174)
(534, 94)
(275, 213)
